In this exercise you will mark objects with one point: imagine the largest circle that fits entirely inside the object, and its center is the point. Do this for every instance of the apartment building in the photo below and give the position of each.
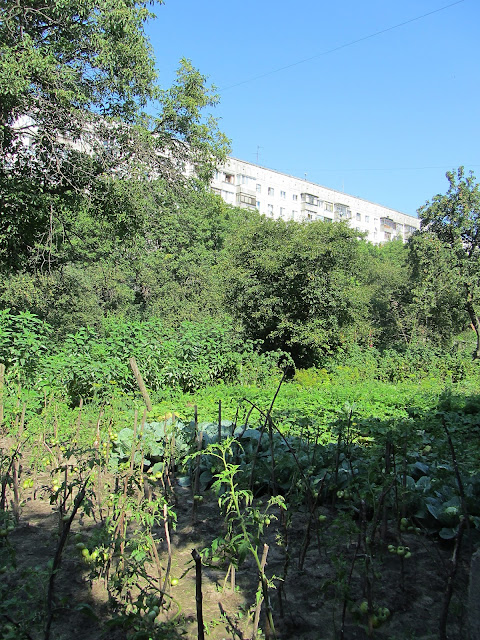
(278, 195)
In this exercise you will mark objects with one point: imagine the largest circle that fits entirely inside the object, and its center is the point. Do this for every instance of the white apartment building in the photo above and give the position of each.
(278, 195)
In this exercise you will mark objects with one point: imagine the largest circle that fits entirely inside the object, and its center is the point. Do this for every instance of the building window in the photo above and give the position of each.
(342, 212)
(359, 217)
(283, 194)
(271, 191)
(259, 188)
(247, 180)
(295, 197)
(282, 212)
(270, 208)
(328, 206)
(258, 204)
(367, 218)
(230, 178)
(243, 198)
(310, 199)
(294, 214)
(227, 196)
(387, 224)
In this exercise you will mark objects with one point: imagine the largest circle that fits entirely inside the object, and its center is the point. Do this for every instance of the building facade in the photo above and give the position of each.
(278, 195)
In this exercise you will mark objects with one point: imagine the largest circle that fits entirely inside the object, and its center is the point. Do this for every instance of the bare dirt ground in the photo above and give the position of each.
(307, 603)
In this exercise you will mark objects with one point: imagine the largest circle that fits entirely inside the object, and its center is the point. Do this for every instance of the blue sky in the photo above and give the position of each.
(383, 118)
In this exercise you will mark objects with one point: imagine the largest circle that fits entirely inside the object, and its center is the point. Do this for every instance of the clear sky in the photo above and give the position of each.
(337, 90)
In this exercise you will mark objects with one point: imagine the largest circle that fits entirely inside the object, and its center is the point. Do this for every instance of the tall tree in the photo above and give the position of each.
(294, 286)
(149, 251)
(76, 78)
(453, 222)
(385, 283)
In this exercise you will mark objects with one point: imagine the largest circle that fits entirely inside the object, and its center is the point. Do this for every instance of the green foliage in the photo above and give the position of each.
(65, 299)
(294, 285)
(416, 362)
(437, 298)
(177, 251)
(180, 125)
(389, 321)
(74, 85)
(344, 459)
(153, 440)
(347, 460)
(88, 364)
(244, 522)
(137, 249)
(68, 66)
(451, 223)
(23, 342)
(311, 377)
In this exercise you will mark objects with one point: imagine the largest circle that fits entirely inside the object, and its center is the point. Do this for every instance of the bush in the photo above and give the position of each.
(188, 358)
(414, 363)
(23, 343)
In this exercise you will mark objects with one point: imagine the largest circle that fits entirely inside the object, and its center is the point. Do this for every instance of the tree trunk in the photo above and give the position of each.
(476, 325)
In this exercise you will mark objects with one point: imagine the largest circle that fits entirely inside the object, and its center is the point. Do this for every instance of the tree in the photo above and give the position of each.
(174, 254)
(75, 81)
(294, 286)
(435, 297)
(451, 222)
(138, 250)
(385, 283)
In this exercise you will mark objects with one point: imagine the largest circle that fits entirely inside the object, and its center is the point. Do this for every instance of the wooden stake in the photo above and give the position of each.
(198, 593)
(141, 384)
(79, 420)
(156, 559)
(2, 380)
(450, 580)
(196, 481)
(169, 549)
(58, 556)
(16, 469)
(258, 609)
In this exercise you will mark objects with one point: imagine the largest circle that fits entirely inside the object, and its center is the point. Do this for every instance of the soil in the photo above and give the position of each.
(307, 604)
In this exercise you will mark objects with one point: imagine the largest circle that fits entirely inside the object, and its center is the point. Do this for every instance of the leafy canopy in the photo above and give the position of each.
(452, 221)
(76, 79)
(293, 285)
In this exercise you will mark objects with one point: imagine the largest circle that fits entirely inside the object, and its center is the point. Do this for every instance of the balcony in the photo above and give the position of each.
(245, 198)
(387, 225)
(342, 212)
(408, 231)
(308, 199)
(305, 206)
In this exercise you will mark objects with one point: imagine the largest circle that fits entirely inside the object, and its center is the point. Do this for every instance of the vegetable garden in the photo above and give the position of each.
(302, 509)
(309, 465)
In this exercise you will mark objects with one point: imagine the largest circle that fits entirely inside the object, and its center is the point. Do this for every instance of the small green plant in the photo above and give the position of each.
(245, 522)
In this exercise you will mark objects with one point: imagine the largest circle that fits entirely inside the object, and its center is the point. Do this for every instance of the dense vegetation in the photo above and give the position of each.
(334, 379)
(312, 291)
(100, 225)
(361, 489)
